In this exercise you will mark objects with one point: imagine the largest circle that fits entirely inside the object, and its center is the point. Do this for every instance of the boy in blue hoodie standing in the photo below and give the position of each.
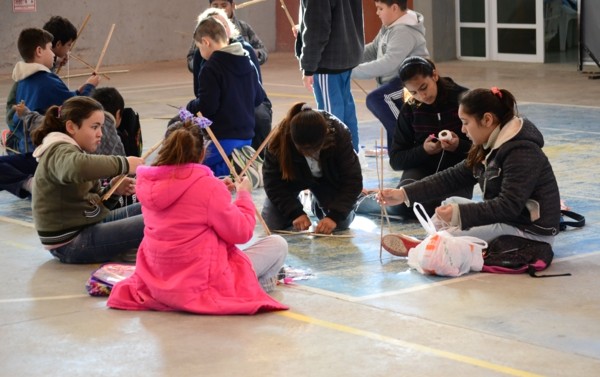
(228, 92)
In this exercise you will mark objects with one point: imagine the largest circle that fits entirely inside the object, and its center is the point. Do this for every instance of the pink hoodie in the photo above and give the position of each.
(188, 260)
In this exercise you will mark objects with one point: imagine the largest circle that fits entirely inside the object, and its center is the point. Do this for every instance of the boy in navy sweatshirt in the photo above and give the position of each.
(229, 90)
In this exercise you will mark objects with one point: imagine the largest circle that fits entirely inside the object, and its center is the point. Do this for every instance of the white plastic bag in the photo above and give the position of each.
(443, 254)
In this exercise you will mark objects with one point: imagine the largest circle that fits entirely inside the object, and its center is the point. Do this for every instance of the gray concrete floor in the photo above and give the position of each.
(360, 316)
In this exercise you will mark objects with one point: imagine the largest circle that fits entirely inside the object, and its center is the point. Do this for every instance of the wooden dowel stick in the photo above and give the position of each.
(257, 152)
(361, 88)
(111, 191)
(247, 3)
(87, 64)
(101, 73)
(112, 28)
(152, 149)
(309, 233)
(235, 174)
(287, 13)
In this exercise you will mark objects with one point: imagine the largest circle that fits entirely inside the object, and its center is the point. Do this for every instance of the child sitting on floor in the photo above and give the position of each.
(188, 259)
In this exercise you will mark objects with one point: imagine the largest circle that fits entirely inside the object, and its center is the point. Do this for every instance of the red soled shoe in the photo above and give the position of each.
(399, 244)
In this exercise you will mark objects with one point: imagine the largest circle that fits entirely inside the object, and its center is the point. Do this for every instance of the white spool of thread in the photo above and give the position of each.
(445, 135)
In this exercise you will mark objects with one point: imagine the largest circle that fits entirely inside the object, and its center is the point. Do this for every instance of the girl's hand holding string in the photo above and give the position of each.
(391, 197)
(450, 145)
(432, 145)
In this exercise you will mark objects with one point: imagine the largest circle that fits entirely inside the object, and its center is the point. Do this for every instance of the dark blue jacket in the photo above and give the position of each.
(228, 92)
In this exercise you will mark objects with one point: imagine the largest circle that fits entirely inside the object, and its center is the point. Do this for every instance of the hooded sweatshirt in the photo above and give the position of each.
(39, 88)
(228, 92)
(188, 259)
(384, 55)
(66, 189)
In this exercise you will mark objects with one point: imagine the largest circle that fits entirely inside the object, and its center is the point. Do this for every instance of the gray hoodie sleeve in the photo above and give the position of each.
(402, 41)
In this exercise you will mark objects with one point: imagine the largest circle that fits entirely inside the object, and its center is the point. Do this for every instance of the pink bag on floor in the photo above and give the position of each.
(104, 278)
(443, 254)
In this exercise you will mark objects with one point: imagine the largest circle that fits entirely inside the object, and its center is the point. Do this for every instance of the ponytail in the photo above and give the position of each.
(75, 109)
(281, 142)
(477, 102)
(183, 144)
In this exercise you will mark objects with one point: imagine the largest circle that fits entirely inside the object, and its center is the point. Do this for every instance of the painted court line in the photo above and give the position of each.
(18, 222)
(416, 288)
(408, 345)
(33, 299)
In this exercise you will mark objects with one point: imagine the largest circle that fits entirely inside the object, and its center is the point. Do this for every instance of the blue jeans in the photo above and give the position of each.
(214, 160)
(15, 170)
(333, 94)
(122, 230)
(385, 103)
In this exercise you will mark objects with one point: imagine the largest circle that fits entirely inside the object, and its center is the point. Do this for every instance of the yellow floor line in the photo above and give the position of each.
(18, 222)
(413, 346)
(49, 298)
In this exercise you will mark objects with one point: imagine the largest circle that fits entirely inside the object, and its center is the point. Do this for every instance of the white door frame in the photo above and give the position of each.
(491, 27)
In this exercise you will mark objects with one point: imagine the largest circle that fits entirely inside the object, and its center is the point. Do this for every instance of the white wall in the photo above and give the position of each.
(146, 30)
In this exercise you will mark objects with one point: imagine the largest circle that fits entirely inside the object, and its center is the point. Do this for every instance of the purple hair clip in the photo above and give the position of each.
(199, 121)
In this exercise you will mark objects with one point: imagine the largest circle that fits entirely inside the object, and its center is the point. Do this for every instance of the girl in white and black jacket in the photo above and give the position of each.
(520, 193)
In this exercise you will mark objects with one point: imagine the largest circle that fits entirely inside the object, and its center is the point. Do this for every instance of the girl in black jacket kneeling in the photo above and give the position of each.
(311, 149)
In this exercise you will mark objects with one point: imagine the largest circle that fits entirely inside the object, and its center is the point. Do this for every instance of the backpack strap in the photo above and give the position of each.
(579, 220)
(532, 272)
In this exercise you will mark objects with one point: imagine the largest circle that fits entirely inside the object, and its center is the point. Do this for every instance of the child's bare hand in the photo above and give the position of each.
(391, 197)
(134, 162)
(325, 226)
(94, 79)
(21, 109)
(244, 185)
(127, 187)
(229, 184)
(450, 145)
(308, 82)
(302, 222)
(432, 145)
(444, 213)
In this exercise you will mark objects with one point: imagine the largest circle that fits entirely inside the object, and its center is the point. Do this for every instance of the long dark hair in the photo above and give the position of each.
(416, 65)
(301, 126)
(183, 144)
(75, 109)
(477, 102)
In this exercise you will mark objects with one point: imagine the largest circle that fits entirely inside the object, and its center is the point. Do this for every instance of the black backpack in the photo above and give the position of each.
(130, 132)
(515, 255)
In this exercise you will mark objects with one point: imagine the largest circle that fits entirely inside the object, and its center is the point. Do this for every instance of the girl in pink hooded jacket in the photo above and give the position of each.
(188, 259)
